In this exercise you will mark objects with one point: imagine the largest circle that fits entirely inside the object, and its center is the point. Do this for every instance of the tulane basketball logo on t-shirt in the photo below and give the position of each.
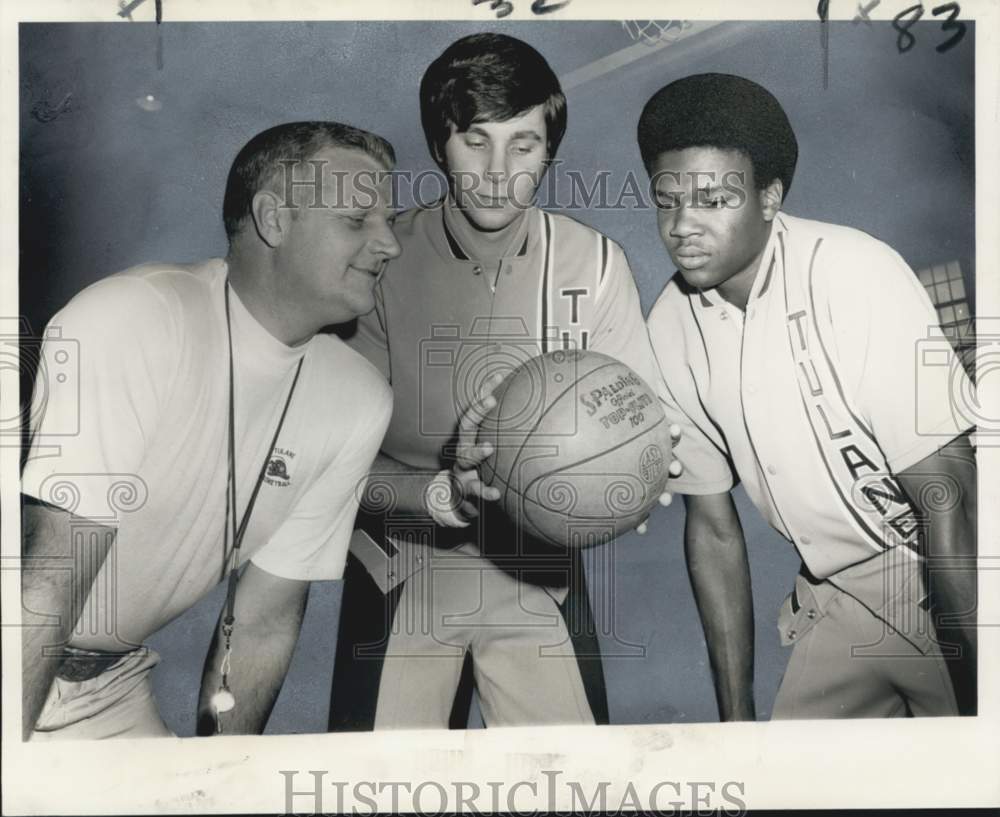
(277, 468)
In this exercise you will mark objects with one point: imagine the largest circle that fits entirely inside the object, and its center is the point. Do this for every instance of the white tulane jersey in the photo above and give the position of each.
(136, 438)
(446, 318)
(834, 379)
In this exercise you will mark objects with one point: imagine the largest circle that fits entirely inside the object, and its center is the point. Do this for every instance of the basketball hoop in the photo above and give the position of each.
(655, 32)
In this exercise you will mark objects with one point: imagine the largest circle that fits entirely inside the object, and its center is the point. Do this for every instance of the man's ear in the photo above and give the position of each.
(770, 199)
(269, 217)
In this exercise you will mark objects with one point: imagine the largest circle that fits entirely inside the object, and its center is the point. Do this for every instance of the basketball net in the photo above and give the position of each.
(655, 32)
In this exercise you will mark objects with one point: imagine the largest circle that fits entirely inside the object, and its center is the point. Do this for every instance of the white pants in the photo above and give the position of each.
(118, 703)
(525, 665)
(848, 663)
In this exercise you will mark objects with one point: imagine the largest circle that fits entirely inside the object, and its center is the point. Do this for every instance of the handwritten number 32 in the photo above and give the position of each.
(505, 7)
(903, 21)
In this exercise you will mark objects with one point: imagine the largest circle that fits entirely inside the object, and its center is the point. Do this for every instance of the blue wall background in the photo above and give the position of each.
(106, 183)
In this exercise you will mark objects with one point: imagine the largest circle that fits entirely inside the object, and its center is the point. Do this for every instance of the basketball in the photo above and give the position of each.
(581, 448)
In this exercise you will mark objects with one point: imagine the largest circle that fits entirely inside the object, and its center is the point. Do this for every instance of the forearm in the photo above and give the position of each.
(447, 497)
(942, 489)
(951, 579)
(54, 585)
(394, 487)
(951, 547)
(257, 669)
(41, 633)
(720, 577)
(262, 643)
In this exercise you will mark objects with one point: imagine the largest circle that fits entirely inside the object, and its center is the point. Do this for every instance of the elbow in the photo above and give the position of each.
(952, 523)
(713, 526)
(714, 534)
(952, 538)
(714, 543)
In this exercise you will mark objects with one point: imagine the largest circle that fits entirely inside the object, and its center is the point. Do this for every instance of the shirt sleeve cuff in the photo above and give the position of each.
(319, 569)
(932, 441)
(696, 488)
(101, 498)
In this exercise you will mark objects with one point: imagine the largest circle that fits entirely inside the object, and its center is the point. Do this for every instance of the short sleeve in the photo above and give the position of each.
(370, 339)
(312, 542)
(105, 363)
(901, 371)
(619, 330)
(701, 449)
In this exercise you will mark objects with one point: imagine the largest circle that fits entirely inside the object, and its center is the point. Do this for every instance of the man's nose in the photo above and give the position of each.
(496, 170)
(385, 243)
(684, 221)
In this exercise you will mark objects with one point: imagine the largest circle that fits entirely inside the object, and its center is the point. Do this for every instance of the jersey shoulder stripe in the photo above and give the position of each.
(581, 247)
(548, 230)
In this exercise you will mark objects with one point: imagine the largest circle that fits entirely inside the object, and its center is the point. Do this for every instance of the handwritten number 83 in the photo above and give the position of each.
(907, 17)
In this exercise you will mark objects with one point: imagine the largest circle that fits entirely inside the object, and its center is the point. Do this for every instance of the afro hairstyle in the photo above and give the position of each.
(720, 111)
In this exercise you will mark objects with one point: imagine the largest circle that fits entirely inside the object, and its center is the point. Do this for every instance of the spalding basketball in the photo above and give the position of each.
(580, 447)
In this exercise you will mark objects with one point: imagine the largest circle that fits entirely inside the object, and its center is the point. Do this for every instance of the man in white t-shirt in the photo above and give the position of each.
(217, 428)
(796, 350)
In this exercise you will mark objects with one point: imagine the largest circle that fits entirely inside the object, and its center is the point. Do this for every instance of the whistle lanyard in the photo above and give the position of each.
(223, 700)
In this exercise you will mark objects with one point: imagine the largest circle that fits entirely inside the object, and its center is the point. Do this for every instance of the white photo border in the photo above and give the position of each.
(919, 763)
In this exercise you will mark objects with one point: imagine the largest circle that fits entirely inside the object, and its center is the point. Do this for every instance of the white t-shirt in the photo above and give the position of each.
(149, 403)
(834, 379)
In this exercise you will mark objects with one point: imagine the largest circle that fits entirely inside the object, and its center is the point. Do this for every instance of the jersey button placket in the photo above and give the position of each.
(750, 404)
(748, 341)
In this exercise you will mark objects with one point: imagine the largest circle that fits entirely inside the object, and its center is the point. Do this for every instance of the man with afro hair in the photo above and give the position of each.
(791, 346)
